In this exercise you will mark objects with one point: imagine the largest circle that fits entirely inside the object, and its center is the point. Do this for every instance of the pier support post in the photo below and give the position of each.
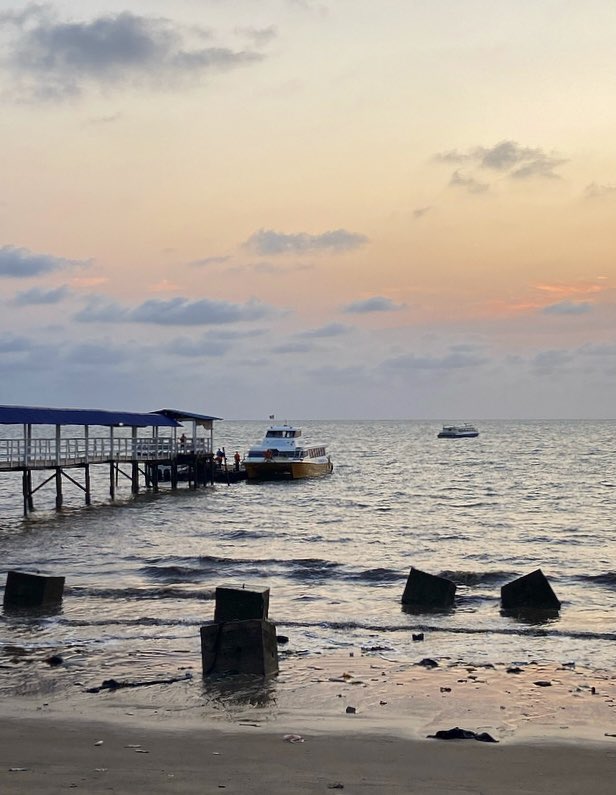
(32, 590)
(29, 486)
(112, 481)
(135, 477)
(87, 481)
(24, 485)
(155, 476)
(58, 489)
(174, 475)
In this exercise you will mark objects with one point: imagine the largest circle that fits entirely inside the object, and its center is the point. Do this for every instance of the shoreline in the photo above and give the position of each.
(228, 734)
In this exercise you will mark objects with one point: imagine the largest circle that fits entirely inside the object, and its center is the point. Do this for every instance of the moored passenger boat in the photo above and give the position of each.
(283, 455)
(466, 430)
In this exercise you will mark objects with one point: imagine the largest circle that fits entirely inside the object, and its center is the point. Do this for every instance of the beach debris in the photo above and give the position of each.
(609, 734)
(417, 636)
(530, 592)
(133, 745)
(543, 683)
(514, 670)
(462, 734)
(239, 647)
(18, 769)
(141, 751)
(282, 639)
(99, 742)
(101, 769)
(428, 662)
(54, 660)
(445, 690)
(114, 684)
(23, 589)
(351, 710)
(428, 590)
(335, 785)
(293, 738)
(382, 703)
(593, 690)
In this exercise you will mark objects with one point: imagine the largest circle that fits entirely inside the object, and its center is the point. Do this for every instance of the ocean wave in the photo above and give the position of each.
(606, 578)
(378, 575)
(163, 592)
(471, 578)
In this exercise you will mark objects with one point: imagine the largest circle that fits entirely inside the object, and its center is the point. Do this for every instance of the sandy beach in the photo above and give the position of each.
(357, 724)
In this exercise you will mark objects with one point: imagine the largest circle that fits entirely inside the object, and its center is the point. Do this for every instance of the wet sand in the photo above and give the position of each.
(233, 736)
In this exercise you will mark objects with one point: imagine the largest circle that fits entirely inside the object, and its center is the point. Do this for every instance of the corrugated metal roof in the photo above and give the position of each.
(176, 414)
(39, 415)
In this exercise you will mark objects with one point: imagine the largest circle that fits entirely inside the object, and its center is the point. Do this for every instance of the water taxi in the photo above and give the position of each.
(282, 454)
(464, 431)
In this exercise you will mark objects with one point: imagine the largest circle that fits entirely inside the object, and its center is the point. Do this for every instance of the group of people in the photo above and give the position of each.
(221, 457)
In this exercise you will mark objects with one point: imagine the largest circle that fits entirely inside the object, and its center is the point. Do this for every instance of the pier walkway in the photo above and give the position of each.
(85, 437)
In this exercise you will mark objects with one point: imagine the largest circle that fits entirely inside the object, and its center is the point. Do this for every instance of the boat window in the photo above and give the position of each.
(274, 434)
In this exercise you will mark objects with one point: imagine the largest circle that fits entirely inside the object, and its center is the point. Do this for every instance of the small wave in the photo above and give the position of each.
(138, 593)
(471, 578)
(375, 576)
(606, 578)
(311, 568)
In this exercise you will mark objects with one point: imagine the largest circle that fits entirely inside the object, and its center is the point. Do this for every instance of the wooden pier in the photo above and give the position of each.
(83, 438)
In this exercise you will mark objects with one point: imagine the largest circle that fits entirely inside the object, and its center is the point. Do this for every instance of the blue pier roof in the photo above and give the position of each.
(178, 414)
(40, 415)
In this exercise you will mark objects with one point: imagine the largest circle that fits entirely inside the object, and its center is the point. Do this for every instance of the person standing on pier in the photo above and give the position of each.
(236, 459)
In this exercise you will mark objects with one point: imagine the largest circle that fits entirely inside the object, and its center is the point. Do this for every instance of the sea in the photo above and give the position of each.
(335, 552)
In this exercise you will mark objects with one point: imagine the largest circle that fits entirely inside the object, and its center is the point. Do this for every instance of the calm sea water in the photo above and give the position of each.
(335, 552)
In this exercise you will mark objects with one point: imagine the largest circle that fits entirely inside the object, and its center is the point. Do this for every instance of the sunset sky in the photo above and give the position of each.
(313, 208)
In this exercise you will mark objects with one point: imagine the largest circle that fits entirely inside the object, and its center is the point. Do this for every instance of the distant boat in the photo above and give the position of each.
(282, 454)
(464, 431)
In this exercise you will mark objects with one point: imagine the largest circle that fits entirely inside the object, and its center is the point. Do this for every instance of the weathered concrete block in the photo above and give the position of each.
(428, 590)
(239, 647)
(235, 603)
(32, 590)
(531, 592)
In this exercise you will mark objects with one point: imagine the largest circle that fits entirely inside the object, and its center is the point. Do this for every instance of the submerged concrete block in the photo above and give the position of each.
(239, 647)
(531, 592)
(32, 590)
(428, 590)
(234, 603)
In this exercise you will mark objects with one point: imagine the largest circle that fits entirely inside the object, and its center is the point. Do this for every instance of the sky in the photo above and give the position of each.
(318, 209)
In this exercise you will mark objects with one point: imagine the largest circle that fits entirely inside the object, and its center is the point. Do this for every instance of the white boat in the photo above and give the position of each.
(282, 454)
(464, 431)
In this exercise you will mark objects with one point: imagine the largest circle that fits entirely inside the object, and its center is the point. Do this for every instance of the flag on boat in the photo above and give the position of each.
(271, 416)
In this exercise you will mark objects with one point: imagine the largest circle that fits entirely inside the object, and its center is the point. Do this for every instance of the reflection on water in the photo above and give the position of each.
(236, 692)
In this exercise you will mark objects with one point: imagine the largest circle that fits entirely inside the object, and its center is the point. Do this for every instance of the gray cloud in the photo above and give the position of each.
(459, 180)
(184, 346)
(293, 347)
(455, 360)
(508, 157)
(259, 36)
(567, 308)
(267, 242)
(548, 361)
(207, 261)
(53, 59)
(330, 330)
(596, 191)
(9, 343)
(174, 312)
(38, 295)
(19, 263)
(377, 303)
(94, 354)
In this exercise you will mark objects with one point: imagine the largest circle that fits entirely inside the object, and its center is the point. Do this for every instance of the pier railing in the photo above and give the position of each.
(42, 453)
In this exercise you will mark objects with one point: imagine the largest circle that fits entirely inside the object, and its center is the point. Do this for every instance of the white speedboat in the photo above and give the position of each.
(464, 431)
(282, 454)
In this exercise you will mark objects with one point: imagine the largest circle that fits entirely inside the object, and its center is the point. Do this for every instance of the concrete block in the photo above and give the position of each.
(234, 603)
(531, 592)
(32, 590)
(428, 590)
(239, 647)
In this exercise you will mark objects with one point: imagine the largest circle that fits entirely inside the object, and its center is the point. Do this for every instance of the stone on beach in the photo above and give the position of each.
(530, 592)
(428, 590)
(235, 603)
(32, 590)
(240, 647)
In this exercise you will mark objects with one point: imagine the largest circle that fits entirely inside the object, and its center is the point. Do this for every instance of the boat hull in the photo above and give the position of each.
(464, 435)
(287, 470)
